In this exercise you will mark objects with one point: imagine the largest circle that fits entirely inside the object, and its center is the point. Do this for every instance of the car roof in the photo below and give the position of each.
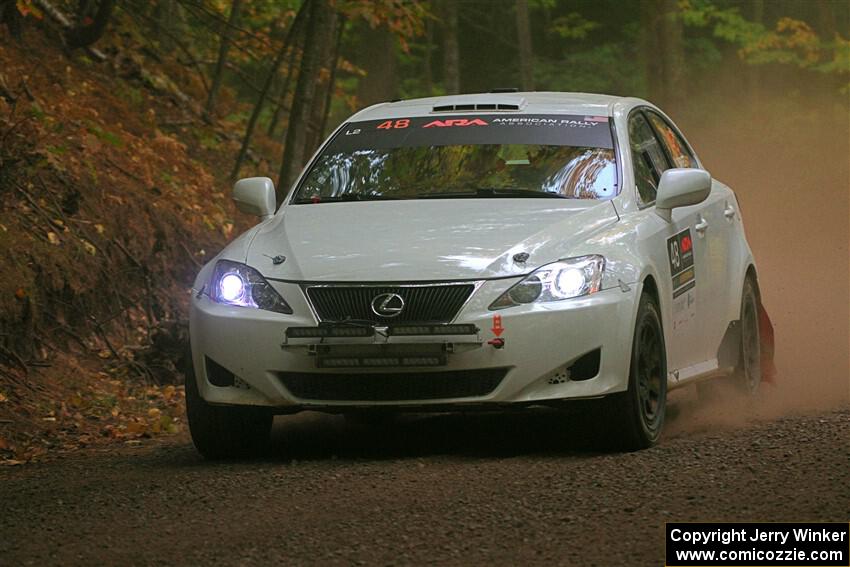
(508, 102)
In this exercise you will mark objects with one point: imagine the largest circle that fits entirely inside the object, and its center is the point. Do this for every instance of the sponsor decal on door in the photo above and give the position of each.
(680, 253)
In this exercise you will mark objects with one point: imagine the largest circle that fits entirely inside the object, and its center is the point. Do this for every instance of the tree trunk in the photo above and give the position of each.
(327, 62)
(284, 91)
(651, 46)
(10, 16)
(331, 81)
(166, 18)
(754, 71)
(674, 57)
(86, 33)
(258, 106)
(663, 53)
(451, 52)
(232, 21)
(295, 150)
(526, 55)
(827, 26)
(377, 56)
(426, 59)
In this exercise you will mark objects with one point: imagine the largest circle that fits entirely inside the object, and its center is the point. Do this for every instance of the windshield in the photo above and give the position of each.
(480, 156)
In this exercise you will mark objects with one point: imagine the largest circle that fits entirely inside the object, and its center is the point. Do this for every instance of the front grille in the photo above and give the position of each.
(437, 303)
(396, 386)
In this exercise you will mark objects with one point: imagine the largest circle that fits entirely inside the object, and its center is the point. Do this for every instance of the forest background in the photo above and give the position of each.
(124, 122)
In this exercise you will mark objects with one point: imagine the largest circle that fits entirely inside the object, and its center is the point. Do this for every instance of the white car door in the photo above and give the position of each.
(680, 259)
(711, 236)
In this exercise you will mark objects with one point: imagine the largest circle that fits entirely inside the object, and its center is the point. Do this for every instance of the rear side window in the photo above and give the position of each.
(648, 158)
(677, 149)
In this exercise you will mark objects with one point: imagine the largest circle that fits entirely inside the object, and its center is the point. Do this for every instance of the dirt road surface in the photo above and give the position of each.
(480, 489)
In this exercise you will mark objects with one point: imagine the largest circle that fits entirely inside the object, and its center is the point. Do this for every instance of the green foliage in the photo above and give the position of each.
(725, 23)
(572, 26)
(406, 19)
(605, 68)
(595, 66)
(131, 94)
(37, 112)
(105, 136)
(790, 42)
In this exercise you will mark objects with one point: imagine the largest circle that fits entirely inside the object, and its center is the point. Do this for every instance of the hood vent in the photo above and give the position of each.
(481, 106)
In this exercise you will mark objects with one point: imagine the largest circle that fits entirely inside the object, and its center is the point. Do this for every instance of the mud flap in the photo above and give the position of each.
(768, 368)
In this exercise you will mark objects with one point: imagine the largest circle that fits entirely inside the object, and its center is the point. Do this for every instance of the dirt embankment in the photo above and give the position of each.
(112, 193)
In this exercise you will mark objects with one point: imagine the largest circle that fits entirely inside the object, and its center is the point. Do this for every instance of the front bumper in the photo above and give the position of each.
(542, 342)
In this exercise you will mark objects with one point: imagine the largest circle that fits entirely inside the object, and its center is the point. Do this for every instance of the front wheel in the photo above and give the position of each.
(637, 415)
(224, 432)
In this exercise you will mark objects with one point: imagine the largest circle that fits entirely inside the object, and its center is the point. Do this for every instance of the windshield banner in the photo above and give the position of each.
(475, 129)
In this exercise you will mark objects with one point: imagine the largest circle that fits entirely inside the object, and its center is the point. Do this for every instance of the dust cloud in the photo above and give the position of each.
(788, 160)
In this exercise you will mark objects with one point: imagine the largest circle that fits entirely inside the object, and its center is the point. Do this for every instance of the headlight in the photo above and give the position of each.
(553, 282)
(237, 284)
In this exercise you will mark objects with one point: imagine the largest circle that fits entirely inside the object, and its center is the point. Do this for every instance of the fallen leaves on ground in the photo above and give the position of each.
(106, 410)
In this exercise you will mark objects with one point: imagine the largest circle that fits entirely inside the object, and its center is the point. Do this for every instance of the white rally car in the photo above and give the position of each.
(478, 251)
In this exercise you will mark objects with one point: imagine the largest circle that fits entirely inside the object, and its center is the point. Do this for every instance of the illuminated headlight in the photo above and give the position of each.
(565, 279)
(237, 284)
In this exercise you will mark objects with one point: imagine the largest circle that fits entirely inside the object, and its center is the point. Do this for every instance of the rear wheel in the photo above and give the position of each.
(748, 371)
(637, 415)
(224, 432)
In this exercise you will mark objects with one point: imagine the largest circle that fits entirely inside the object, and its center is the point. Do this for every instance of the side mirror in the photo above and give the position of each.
(680, 187)
(255, 196)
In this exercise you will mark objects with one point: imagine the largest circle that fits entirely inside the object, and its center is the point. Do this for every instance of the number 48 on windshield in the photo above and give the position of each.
(394, 124)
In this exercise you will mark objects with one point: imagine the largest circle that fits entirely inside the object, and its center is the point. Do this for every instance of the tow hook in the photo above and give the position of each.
(498, 342)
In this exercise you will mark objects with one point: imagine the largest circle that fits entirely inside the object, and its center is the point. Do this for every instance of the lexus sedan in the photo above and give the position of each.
(482, 251)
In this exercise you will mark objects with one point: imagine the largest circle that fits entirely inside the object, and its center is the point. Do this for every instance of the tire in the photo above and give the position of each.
(748, 373)
(636, 416)
(225, 432)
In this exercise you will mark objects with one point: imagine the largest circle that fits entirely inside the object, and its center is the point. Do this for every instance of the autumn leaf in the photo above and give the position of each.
(137, 428)
(27, 8)
(168, 392)
(53, 238)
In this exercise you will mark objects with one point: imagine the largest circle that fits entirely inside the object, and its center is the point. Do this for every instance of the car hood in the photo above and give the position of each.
(423, 240)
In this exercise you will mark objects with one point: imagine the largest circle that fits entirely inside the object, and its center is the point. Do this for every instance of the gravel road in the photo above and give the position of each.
(498, 489)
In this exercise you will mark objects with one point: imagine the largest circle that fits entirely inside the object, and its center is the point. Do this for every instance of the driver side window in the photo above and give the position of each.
(648, 157)
(676, 147)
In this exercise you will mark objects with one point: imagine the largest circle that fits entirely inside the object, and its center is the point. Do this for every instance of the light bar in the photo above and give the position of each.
(381, 361)
(413, 330)
(328, 331)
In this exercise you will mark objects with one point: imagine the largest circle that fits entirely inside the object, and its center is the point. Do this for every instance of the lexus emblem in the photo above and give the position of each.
(388, 305)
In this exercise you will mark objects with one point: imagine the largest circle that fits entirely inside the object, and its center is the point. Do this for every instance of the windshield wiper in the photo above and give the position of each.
(490, 192)
(347, 197)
